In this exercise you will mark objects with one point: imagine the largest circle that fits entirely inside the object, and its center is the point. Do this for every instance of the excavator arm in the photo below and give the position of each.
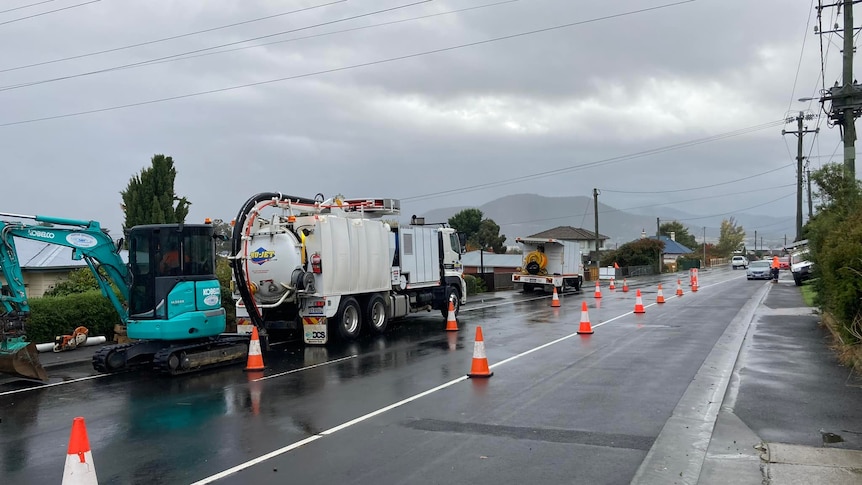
(88, 242)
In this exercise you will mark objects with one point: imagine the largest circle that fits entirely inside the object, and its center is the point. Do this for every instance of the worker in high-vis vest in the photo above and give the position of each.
(776, 265)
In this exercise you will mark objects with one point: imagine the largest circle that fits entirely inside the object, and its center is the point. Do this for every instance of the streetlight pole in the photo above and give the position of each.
(799, 133)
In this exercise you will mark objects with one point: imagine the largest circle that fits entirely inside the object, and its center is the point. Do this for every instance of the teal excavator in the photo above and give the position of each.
(167, 296)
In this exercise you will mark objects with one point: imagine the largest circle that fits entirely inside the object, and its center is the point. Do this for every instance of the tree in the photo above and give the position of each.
(79, 281)
(730, 238)
(489, 237)
(643, 252)
(681, 234)
(149, 197)
(480, 233)
(467, 222)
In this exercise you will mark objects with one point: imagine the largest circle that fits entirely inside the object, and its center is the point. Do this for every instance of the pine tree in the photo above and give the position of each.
(149, 198)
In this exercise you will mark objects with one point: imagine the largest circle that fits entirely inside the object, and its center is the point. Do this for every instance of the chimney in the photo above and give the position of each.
(672, 236)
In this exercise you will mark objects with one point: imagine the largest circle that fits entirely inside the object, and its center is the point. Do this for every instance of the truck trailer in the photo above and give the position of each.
(549, 264)
(318, 268)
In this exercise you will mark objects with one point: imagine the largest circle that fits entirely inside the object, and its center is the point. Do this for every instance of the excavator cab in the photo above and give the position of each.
(174, 284)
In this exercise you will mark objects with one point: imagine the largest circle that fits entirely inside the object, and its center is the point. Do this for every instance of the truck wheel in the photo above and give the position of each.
(454, 296)
(348, 321)
(376, 315)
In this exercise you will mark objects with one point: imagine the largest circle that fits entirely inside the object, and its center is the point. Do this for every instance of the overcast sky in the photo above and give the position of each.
(430, 102)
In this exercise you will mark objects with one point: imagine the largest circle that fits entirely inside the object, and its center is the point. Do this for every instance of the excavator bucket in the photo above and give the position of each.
(20, 358)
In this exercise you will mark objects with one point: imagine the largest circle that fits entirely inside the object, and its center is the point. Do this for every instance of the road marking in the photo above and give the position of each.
(305, 368)
(36, 388)
(345, 425)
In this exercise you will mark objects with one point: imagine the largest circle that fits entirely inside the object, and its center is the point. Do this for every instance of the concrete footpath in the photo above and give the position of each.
(791, 413)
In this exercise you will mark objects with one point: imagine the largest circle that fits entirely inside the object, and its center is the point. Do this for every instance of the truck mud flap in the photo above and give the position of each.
(21, 359)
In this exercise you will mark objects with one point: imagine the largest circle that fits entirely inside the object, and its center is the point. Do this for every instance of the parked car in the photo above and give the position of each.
(784, 262)
(801, 267)
(739, 262)
(759, 270)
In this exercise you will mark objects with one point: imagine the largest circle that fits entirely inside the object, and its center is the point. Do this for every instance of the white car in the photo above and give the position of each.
(739, 262)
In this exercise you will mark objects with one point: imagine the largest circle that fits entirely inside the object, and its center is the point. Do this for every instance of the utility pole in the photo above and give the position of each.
(596, 205)
(658, 238)
(847, 98)
(808, 179)
(755, 240)
(704, 246)
(799, 133)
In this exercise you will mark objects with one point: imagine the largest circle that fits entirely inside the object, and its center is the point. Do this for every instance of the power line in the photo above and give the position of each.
(205, 49)
(48, 12)
(702, 186)
(324, 34)
(801, 53)
(26, 6)
(740, 210)
(606, 161)
(165, 39)
(706, 197)
(337, 69)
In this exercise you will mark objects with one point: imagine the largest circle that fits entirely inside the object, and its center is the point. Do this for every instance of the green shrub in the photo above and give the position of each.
(60, 315)
(474, 285)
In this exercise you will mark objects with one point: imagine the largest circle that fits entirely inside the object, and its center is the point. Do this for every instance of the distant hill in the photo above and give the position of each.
(525, 214)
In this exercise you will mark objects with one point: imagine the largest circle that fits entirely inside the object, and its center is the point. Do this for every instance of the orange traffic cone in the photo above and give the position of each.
(625, 285)
(639, 303)
(694, 284)
(79, 469)
(612, 286)
(480, 361)
(598, 289)
(678, 287)
(451, 322)
(555, 301)
(585, 320)
(660, 297)
(255, 356)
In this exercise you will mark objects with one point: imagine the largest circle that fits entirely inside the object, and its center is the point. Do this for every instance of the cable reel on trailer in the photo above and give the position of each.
(536, 262)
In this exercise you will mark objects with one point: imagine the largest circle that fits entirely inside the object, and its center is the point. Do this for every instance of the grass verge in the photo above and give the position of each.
(808, 293)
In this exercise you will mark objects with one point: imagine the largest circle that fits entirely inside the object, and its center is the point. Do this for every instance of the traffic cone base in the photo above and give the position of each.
(598, 289)
(555, 301)
(639, 303)
(79, 468)
(660, 297)
(585, 327)
(451, 322)
(255, 356)
(480, 366)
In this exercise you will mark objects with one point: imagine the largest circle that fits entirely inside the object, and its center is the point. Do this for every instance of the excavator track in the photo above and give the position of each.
(115, 358)
(183, 359)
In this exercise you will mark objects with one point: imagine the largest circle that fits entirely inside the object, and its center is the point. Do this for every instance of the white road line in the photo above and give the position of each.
(37, 388)
(280, 374)
(345, 425)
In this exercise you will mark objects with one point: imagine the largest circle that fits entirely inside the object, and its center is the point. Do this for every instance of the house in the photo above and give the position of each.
(585, 238)
(672, 251)
(43, 265)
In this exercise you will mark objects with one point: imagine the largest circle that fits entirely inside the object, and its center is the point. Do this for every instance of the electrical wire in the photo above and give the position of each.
(165, 39)
(597, 163)
(48, 12)
(338, 69)
(26, 6)
(205, 49)
(334, 32)
(799, 63)
(702, 186)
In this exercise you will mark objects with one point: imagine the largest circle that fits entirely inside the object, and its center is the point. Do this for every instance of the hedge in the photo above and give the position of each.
(60, 315)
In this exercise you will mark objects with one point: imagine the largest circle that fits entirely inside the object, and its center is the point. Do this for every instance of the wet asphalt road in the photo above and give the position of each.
(560, 408)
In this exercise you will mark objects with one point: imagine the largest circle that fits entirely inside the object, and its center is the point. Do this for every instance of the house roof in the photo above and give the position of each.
(41, 255)
(491, 260)
(569, 233)
(673, 247)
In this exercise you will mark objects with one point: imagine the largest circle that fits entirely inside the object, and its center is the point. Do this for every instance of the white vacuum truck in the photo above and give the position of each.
(319, 267)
